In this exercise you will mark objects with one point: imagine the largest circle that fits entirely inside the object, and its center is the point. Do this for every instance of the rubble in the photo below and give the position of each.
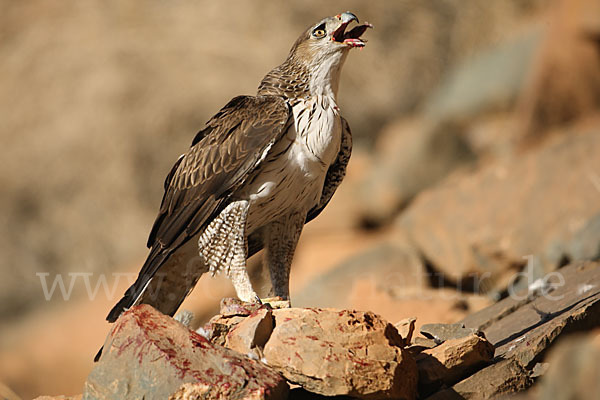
(524, 326)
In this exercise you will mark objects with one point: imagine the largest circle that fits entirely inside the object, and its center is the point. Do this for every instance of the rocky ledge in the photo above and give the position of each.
(256, 352)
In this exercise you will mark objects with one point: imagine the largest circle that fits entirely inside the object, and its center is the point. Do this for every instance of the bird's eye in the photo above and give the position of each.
(319, 32)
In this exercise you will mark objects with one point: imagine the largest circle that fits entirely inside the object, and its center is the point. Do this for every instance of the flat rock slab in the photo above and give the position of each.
(442, 332)
(522, 326)
(150, 355)
(507, 376)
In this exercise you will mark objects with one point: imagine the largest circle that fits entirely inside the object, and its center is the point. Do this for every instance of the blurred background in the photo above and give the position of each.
(477, 134)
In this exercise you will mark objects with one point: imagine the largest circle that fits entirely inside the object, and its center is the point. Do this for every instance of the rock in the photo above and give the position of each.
(150, 355)
(251, 335)
(231, 307)
(78, 397)
(507, 376)
(198, 391)
(573, 371)
(468, 92)
(585, 244)
(411, 156)
(390, 280)
(6, 393)
(329, 352)
(406, 328)
(477, 227)
(341, 352)
(442, 332)
(539, 369)
(232, 312)
(564, 81)
(524, 325)
(218, 327)
(452, 361)
(504, 377)
(387, 266)
(424, 342)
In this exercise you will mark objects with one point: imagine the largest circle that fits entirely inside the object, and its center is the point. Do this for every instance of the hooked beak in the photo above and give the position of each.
(351, 38)
(348, 17)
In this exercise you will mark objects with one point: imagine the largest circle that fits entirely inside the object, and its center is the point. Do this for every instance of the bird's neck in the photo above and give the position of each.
(295, 79)
(325, 77)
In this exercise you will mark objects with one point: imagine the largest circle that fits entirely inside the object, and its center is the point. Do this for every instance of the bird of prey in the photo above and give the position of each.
(261, 168)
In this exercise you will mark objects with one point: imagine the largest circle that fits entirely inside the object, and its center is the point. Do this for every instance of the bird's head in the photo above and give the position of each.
(330, 36)
(318, 55)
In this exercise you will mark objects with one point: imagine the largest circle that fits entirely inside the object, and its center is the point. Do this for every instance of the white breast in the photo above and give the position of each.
(291, 178)
(317, 127)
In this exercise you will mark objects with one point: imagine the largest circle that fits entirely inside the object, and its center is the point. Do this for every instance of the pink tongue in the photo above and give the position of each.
(355, 42)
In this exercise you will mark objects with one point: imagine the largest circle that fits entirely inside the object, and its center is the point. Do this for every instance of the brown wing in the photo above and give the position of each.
(222, 156)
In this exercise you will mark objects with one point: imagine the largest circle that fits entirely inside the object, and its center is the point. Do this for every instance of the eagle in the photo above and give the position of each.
(261, 168)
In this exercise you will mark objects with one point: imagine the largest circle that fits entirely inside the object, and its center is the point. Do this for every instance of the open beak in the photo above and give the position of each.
(351, 38)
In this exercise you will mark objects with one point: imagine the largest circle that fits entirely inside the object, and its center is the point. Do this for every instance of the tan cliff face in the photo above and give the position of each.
(446, 198)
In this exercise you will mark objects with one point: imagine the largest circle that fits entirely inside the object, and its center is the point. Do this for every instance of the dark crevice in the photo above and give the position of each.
(564, 261)
(437, 279)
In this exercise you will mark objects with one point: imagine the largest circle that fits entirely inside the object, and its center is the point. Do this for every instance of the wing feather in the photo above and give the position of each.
(223, 154)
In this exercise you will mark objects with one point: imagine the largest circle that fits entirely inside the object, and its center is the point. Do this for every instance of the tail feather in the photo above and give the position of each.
(155, 259)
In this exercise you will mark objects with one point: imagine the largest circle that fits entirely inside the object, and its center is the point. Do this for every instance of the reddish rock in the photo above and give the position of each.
(326, 351)
(150, 355)
(341, 352)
